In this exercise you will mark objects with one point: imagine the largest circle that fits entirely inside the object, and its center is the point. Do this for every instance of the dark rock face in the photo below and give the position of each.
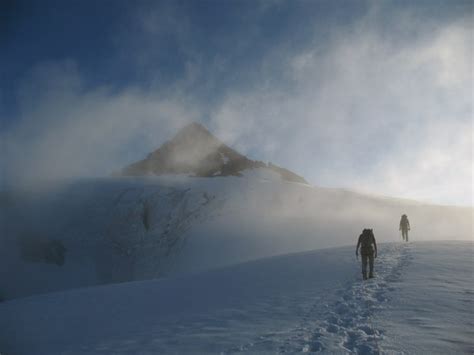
(195, 151)
(41, 250)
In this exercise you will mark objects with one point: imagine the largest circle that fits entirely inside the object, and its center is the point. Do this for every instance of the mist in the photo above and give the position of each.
(342, 110)
(192, 224)
(66, 131)
(199, 176)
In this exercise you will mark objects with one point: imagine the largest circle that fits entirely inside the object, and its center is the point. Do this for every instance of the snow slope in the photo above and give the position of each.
(420, 302)
(435, 306)
(124, 229)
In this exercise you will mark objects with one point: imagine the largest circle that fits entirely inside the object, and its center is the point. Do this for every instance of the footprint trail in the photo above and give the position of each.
(346, 324)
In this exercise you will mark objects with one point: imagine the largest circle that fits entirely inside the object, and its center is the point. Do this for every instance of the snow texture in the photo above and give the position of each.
(419, 302)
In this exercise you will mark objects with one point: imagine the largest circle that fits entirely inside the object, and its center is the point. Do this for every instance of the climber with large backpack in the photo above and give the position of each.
(368, 251)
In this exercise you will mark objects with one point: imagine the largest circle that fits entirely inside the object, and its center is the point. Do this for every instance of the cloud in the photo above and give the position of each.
(381, 104)
(368, 112)
(67, 130)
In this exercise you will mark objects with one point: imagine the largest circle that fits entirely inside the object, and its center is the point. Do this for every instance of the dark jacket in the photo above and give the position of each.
(404, 224)
(367, 243)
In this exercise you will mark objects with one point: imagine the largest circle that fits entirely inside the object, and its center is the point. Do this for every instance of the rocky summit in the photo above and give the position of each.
(196, 152)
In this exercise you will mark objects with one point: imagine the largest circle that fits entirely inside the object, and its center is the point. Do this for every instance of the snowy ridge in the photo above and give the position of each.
(112, 231)
(92, 232)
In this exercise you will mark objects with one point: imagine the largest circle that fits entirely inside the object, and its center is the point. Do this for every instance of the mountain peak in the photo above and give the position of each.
(195, 151)
(194, 138)
(194, 128)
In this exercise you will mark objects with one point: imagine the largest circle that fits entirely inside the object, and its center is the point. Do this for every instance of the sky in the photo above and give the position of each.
(373, 96)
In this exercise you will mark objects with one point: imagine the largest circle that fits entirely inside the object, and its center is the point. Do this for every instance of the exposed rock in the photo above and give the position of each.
(195, 151)
(40, 250)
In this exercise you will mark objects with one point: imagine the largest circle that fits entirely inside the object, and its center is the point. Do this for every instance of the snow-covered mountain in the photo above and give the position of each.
(221, 209)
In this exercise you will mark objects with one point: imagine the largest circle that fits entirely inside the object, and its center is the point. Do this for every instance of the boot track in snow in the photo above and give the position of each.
(347, 323)
(344, 325)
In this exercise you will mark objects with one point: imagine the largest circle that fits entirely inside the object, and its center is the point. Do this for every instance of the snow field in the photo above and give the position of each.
(307, 302)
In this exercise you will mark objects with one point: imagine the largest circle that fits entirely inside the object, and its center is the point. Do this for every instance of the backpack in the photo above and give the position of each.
(366, 242)
(404, 222)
